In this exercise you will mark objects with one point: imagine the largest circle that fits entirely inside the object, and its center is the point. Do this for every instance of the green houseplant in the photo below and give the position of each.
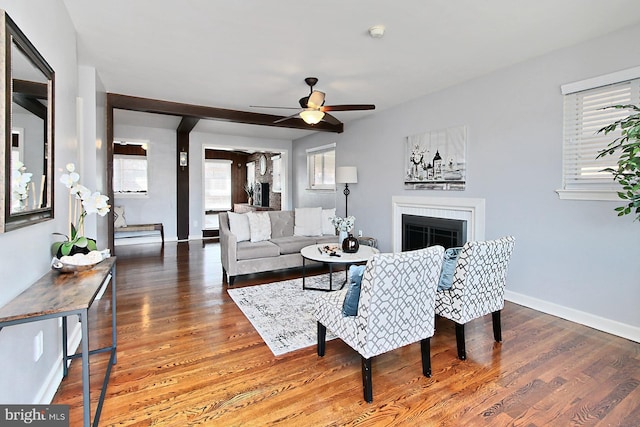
(627, 146)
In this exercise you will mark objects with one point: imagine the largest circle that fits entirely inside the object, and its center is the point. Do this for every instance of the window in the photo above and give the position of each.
(251, 174)
(130, 168)
(585, 113)
(217, 185)
(321, 167)
(277, 173)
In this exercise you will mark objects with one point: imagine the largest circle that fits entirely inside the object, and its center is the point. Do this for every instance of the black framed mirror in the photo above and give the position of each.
(27, 126)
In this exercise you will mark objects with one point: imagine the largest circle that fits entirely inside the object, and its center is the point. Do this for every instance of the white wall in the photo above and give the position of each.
(574, 258)
(92, 133)
(24, 253)
(160, 203)
(304, 198)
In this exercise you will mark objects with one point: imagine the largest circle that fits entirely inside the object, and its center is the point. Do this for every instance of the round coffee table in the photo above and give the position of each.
(319, 253)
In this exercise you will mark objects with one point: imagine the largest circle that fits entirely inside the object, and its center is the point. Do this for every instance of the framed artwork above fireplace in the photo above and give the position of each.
(436, 160)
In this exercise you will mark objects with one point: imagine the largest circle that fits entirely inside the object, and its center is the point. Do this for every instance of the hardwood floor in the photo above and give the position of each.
(188, 356)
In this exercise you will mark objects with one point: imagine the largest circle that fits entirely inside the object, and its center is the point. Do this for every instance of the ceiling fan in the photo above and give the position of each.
(313, 108)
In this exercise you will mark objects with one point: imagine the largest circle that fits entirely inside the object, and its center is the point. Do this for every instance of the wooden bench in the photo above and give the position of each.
(142, 227)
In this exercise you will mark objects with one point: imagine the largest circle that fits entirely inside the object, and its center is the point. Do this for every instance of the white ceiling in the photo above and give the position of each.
(234, 54)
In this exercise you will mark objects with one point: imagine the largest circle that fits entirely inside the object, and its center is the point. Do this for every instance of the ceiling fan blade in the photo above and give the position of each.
(269, 106)
(316, 99)
(351, 107)
(286, 118)
(331, 119)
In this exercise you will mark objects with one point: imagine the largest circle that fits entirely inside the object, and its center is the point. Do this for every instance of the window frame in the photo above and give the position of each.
(204, 184)
(251, 174)
(276, 162)
(576, 98)
(311, 154)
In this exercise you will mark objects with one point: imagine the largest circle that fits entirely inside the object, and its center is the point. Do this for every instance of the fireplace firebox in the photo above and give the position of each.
(423, 231)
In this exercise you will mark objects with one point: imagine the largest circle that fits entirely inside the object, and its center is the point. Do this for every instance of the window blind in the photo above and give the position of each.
(585, 113)
(129, 174)
(217, 185)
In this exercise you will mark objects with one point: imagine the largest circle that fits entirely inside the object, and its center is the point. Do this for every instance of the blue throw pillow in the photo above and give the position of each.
(351, 299)
(448, 267)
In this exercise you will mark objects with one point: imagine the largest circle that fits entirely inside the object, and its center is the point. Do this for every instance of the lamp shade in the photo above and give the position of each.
(311, 116)
(346, 175)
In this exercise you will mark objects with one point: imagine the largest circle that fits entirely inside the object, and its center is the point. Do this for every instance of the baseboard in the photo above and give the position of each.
(600, 323)
(51, 384)
(126, 241)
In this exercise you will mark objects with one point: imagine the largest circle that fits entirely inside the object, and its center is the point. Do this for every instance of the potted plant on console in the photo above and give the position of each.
(82, 202)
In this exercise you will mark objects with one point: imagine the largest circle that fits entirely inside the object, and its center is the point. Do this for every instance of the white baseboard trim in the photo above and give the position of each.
(126, 241)
(50, 386)
(600, 323)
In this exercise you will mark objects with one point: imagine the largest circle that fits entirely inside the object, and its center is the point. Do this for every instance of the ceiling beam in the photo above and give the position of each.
(133, 103)
(187, 124)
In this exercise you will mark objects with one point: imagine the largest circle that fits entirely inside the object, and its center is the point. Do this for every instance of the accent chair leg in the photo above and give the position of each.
(462, 351)
(366, 380)
(425, 349)
(230, 280)
(322, 335)
(497, 327)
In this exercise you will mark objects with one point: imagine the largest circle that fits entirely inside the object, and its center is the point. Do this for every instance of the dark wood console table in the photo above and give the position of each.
(60, 295)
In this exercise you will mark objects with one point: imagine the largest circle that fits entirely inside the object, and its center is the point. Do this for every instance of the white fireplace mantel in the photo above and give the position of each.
(462, 208)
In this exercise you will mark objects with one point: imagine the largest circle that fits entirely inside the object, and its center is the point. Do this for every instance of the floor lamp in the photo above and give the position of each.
(346, 175)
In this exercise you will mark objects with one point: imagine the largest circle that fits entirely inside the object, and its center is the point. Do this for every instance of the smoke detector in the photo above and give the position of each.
(377, 31)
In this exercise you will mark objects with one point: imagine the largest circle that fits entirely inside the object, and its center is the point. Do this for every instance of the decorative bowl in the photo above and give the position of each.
(76, 263)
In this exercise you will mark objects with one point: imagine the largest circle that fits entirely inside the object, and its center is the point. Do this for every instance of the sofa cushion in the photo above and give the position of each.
(329, 238)
(260, 226)
(281, 223)
(448, 268)
(239, 226)
(327, 226)
(292, 244)
(265, 249)
(308, 222)
(352, 298)
(118, 217)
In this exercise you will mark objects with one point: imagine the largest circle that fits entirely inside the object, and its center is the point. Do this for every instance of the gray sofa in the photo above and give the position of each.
(282, 250)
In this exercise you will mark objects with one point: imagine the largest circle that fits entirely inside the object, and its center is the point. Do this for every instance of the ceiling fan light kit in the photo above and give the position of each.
(314, 110)
(311, 116)
(316, 99)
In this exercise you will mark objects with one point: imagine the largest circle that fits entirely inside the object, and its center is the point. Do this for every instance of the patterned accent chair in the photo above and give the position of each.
(396, 308)
(478, 287)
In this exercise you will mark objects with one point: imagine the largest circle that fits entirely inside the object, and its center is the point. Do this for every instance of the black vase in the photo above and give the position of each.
(350, 244)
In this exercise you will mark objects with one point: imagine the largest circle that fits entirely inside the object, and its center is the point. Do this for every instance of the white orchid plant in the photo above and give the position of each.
(343, 224)
(82, 202)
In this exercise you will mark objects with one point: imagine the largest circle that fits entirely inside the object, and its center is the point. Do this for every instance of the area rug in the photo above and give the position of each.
(282, 312)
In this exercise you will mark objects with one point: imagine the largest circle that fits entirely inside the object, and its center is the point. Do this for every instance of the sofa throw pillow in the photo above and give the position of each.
(327, 227)
(118, 216)
(352, 297)
(448, 268)
(308, 222)
(239, 225)
(260, 226)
